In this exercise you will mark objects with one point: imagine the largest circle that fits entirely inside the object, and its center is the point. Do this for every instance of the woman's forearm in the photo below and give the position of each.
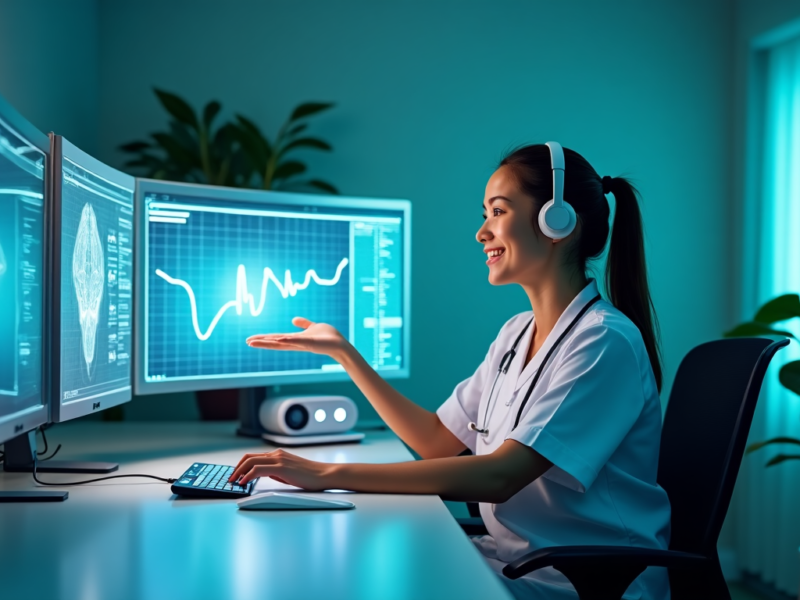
(419, 428)
(463, 478)
(490, 478)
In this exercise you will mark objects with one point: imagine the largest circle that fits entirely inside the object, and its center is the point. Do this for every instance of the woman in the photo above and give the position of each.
(563, 416)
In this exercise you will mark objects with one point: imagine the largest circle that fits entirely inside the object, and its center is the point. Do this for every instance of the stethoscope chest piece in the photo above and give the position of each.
(473, 427)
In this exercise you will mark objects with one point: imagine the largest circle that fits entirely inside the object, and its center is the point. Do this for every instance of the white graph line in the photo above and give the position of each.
(286, 289)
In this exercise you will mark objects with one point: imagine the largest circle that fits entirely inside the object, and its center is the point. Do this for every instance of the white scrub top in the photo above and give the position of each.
(595, 414)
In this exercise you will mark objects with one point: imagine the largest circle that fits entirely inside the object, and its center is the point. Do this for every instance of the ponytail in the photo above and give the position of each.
(626, 271)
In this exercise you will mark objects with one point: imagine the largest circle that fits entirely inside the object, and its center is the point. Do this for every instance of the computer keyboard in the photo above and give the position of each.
(202, 480)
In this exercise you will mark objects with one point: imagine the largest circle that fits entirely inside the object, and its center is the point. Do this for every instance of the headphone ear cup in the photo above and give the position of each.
(557, 222)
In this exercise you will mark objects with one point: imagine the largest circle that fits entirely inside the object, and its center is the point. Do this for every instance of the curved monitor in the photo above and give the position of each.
(23, 197)
(92, 283)
(216, 265)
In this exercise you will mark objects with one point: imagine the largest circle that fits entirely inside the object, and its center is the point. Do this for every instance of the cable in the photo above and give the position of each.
(40, 482)
(53, 454)
(44, 437)
(85, 481)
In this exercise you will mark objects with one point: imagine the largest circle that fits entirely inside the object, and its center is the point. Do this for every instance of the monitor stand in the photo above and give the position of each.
(30, 495)
(20, 452)
(250, 400)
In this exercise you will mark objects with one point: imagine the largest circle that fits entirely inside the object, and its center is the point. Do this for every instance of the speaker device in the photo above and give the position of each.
(307, 420)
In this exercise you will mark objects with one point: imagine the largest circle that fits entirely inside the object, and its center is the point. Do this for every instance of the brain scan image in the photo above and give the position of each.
(88, 276)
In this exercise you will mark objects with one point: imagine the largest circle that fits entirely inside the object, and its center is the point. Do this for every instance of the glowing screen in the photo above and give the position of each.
(21, 260)
(96, 274)
(218, 271)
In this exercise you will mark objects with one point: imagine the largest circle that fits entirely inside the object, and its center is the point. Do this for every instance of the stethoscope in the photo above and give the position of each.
(506, 361)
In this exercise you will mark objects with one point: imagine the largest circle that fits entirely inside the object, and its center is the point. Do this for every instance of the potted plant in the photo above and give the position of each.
(234, 153)
(777, 310)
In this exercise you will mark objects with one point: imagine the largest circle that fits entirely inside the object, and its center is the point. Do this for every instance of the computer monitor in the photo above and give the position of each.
(216, 265)
(92, 283)
(90, 259)
(24, 195)
(23, 161)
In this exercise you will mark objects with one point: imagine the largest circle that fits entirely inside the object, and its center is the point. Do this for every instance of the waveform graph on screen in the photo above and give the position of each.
(215, 278)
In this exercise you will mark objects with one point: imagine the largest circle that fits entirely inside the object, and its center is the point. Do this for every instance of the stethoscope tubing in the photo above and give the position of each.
(505, 363)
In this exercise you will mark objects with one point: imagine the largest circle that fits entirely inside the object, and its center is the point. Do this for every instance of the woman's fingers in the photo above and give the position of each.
(244, 458)
(302, 322)
(254, 473)
(267, 336)
(248, 463)
(276, 345)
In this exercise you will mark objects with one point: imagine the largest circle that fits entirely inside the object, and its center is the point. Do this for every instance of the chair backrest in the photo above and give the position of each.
(704, 435)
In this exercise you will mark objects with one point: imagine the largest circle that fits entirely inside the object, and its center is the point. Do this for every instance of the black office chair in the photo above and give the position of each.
(702, 442)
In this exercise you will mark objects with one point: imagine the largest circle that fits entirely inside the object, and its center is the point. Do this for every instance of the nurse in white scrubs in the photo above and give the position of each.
(565, 430)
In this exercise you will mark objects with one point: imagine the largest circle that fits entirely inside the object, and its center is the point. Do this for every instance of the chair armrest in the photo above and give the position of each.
(600, 557)
(472, 525)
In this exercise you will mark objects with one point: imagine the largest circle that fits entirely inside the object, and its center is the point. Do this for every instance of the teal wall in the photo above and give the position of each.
(48, 65)
(429, 95)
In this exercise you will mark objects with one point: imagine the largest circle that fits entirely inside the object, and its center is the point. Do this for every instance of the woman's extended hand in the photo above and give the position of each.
(284, 467)
(318, 338)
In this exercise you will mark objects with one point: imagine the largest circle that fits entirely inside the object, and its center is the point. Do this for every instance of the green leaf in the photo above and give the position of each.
(210, 111)
(777, 440)
(225, 142)
(754, 328)
(249, 126)
(256, 148)
(307, 143)
(185, 137)
(178, 108)
(308, 109)
(289, 169)
(144, 162)
(781, 458)
(779, 309)
(240, 172)
(176, 151)
(255, 138)
(323, 185)
(134, 146)
(789, 376)
(297, 129)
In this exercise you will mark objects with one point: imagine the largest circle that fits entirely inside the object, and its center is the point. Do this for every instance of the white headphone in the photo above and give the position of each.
(557, 218)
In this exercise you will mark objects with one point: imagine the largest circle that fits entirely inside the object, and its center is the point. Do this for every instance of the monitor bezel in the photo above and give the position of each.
(26, 420)
(62, 148)
(217, 193)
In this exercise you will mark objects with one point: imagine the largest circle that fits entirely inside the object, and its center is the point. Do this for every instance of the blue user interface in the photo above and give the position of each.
(96, 285)
(22, 187)
(220, 271)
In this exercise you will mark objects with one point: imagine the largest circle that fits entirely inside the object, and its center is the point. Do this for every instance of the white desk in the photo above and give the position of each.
(130, 539)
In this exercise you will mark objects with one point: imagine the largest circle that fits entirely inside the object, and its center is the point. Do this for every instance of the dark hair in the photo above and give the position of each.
(626, 271)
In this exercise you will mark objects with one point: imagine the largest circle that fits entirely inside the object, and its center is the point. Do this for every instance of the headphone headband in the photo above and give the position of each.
(557, 165)
(556, 155)
(557, 218)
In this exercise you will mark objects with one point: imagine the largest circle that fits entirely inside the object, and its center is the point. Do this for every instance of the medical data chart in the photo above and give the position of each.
(96, 285)
(218, 271)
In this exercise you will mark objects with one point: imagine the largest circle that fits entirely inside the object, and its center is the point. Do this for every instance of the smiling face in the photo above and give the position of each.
(515, 252)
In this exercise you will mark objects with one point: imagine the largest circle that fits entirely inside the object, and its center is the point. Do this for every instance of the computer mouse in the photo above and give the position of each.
(282, 501)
